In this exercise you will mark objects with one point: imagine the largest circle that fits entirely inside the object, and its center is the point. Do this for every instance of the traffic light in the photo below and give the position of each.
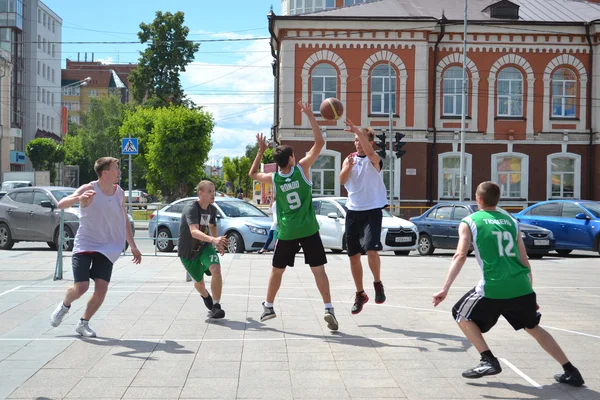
(381, 144)
(399, 144)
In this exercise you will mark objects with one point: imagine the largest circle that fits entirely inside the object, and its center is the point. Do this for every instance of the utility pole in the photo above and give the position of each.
(463, 118)
(391, 115)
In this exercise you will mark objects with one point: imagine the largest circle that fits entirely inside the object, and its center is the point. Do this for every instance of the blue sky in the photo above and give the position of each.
(233, 80)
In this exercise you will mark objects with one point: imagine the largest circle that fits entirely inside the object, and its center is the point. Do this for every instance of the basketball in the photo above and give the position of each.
(332, 109)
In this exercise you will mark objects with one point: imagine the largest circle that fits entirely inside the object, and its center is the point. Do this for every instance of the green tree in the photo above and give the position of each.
(252, 150)
(156, 81)
(236, 172)
(176, 141)
(44, 153)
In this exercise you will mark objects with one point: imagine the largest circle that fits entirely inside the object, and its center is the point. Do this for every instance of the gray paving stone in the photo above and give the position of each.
(152, 392)
(210, 388)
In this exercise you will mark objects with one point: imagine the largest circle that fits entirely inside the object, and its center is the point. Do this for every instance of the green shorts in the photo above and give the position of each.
(200, 265)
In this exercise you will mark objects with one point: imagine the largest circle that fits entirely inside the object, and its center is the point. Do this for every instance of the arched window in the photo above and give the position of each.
(453, 91)
(449, 175)
(323, 83)
(511, 172)
(324, 173)
(564, 175)
(510, 93)
(564, 93)
(381, 87)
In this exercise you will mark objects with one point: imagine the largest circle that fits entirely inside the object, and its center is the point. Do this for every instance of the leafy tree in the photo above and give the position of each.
(252, 150)
(236, 171)
(44, 153)
(156, 78)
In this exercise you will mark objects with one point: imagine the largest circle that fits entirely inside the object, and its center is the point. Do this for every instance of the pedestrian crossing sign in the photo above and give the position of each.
(129, 146)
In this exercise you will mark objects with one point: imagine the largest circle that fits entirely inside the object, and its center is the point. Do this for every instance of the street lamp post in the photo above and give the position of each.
(461, 195)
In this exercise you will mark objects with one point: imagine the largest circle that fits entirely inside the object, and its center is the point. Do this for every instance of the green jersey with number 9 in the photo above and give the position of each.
(295, 211)
(495, 235)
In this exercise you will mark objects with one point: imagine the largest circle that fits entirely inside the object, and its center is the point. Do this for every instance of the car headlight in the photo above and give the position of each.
(550, 235)
(257, 230)
(523, 235)
(414, 228)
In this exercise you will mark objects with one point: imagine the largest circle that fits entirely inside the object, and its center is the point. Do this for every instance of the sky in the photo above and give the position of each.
(232, 80)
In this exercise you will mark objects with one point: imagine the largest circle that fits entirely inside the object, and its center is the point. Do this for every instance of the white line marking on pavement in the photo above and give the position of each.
(569, 331)
(11, 290)
(333, 287)
(521, 373)
(325, 338)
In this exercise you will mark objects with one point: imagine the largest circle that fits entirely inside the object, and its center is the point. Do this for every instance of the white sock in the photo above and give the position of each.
(215, 301)
(328, 305)
(267, 304)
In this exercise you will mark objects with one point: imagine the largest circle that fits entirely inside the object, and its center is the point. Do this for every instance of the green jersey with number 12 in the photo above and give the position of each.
(295, 211)
(495, 235)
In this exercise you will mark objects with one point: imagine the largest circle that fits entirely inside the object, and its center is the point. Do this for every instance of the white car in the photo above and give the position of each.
(397, 234)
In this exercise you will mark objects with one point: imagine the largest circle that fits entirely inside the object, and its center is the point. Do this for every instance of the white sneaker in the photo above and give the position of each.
(83, 328)
(58, 314)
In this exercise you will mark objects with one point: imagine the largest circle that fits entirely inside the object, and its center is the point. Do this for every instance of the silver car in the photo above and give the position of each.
(31, 214)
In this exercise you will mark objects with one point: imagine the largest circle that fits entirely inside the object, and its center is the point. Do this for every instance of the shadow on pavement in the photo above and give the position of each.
(138, 346)
(429, 337)
(535, 393)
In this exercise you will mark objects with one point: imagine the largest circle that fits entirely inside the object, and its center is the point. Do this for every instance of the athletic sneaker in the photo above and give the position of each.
(485, 367)
(572, 378)
(208, 301)
(379, 293)
(58, 314)
(360, 300)
(216, 311)
(331, 320)
(268, 313)
(83, 328)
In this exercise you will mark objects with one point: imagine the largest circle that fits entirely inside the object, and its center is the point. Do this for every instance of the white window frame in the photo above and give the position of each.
(397, 163)
(299, 6)
(353, 2)
(93, 93)
(316, 105)
(468, 173)
(577, 172)
(385, 90)
(457, 94)
(524, 173)
(510, 94)
(337, 165)
(564, 97)
(39, 42)
(75, 119)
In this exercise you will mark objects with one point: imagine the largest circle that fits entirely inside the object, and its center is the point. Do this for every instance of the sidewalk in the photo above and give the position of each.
(156, 342)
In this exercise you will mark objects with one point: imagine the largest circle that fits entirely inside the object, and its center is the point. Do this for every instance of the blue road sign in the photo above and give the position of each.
(228, 184)
(129, 146)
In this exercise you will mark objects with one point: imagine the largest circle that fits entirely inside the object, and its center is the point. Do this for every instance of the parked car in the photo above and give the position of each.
(31, 214)
(574, 223)
(397, 234)
(9, 185)
(438, 228)
(138, 198)
(245, 226)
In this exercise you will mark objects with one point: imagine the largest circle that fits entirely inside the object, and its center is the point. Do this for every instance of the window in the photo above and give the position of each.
(570, 210)
(39, 66)
(44, 70)
(37, 121)
(327, 207)
(43, 121)
(71, 91)
(39, 16)
(52, 99)
(48, 72)
(22, 197)
(48, 97)
(44, 19)
(52, 74)
(44, 44)
(53, 50)
(380, 89)
(93, 93)
(39, 42)
(53, 26)
(38, 197)
(564, 92)
(353, 2)
(48, 122)
(460, 213)
(564, 175)
(449, 175)
(453, 91)
(510, 171)
(75, 119)
(323, 83)
(510, 93)
(43, 95)
(443, 212)
(305, 6)
(71, 105)
(52, 124)
(546, 210)
(323, 176)
(39, 93)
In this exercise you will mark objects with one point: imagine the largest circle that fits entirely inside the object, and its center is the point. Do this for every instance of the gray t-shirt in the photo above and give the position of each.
(187, 246)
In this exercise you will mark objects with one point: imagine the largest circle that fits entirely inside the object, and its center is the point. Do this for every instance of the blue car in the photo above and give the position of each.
(575, 223)
(245, 226)
(438, 228)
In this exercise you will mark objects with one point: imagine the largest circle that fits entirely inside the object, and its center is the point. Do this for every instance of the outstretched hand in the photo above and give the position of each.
(137, 255)
(350, 127)
(306, 109)
(262, 142)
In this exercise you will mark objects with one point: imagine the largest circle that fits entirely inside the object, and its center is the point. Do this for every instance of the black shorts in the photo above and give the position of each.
(314, 252)
(520, 312)
(91, 265)
(363, 231)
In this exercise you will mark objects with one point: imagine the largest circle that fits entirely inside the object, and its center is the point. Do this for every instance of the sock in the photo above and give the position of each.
(568, 367)
(328, 305)
(267, 304)
(215, 301)
(84, 320)
(488, 354)
(66, 306)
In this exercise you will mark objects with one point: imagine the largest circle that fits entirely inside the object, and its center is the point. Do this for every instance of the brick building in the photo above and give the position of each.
(532, 104)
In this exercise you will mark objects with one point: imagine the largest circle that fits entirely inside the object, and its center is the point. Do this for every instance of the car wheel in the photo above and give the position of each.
(535, 256)
(425, 245)
(6, 242)
(401, 253)
(236, 243)
(52, 245)
(564, 252)
(68, 239)
(162, 240)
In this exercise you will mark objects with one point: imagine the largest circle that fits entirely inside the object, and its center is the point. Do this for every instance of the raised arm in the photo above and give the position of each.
(83, 195)
(307, 161)
(346, 169)
(261, 177)
(364, 143)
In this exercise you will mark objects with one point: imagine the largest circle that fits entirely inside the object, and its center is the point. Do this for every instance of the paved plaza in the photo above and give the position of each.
(155, 341)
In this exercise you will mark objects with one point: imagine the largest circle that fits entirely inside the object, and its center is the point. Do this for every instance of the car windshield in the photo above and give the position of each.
(236, 209)
(342, 202)
(593, 208)
(61, 194)
(12, 185)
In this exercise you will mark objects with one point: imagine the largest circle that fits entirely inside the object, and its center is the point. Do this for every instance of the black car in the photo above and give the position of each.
(438, 228)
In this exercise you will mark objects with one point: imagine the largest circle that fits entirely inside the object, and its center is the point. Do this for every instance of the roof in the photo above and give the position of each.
(574, 11)
(103, 75)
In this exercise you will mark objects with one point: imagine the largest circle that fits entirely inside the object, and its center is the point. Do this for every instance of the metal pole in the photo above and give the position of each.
(130, 188)
(461, 195)
(58, 271)
(391, 157)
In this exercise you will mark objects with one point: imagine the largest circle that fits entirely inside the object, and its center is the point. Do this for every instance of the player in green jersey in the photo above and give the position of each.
(298, 226)
(505, 288)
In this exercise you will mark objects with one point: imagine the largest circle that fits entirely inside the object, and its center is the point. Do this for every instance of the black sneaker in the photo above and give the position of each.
(360, 300)
(208, 301)
(572, 378)
(331, 320)
(485, 367)
(216, 311)
(268, 313)
(379, 293)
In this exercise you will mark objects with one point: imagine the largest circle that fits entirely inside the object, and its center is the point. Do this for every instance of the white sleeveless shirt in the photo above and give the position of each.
(366, 190)
(102, 225)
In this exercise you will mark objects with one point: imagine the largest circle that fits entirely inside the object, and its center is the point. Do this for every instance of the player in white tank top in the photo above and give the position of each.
(100, 238)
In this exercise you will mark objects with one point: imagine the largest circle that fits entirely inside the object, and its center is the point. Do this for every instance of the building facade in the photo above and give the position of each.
(532, 108)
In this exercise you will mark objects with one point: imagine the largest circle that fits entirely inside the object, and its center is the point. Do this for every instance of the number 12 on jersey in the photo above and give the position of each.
(506, 243)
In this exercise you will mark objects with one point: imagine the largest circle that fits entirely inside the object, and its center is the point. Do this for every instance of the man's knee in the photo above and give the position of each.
(80, 288)
(215, 270)
(101, 287)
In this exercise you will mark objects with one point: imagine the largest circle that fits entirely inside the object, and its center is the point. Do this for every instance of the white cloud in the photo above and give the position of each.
(107, 60)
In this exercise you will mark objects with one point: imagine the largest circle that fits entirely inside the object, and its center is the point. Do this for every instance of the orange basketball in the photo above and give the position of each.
(332, 109)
